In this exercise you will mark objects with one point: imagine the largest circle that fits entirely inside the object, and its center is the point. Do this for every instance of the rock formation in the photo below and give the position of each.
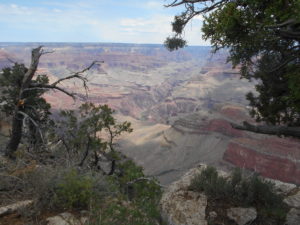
(181, 206)
(180, 103)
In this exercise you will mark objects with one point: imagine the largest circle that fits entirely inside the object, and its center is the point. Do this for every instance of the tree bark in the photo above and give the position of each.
(17, 121)
(272, 130)
(16, 135)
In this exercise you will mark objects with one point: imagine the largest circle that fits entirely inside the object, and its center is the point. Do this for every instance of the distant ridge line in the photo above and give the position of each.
(90, 43)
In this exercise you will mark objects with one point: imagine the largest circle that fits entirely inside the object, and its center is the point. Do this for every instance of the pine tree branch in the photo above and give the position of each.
(272, 130)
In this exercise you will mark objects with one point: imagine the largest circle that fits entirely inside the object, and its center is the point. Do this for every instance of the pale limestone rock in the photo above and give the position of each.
(293, 217)
(84, 220)
(281, 187)
(242, 216)
(14, 207)
(65, 219)
(180, 206)
(293, 200)
(212, 215)
(185, 207)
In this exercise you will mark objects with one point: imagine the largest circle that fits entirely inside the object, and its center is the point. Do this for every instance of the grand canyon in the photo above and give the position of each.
(180, 105)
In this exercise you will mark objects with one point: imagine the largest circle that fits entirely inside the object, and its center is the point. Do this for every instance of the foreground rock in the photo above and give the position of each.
(186, 207)
(293, 200)
(180, 206)
(15, 207)
(293, 217)
(66, 219)
(242, 216)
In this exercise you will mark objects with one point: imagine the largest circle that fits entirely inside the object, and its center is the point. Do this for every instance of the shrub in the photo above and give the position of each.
(57, 188)
(138, 202)
(119, 211)
(74, 190)
(241, 191)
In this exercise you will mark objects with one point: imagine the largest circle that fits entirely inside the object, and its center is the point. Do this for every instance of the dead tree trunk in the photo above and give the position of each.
(16, 135)
(27, 84)
(272, 130)
(17, 121)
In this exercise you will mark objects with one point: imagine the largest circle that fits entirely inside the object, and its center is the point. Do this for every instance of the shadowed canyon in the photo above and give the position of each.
(180, 105)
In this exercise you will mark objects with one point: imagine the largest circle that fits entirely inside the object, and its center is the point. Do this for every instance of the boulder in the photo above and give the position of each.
(180, 206)
(293, 200)
(293, 217)
(15, 207)
(282, 188)
(212, 215)
(185, 207)
(242, 216)
(66, 219)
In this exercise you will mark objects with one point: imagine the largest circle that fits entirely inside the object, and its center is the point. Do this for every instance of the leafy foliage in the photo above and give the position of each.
(137, 202)
(263, 39)
(69, 175)
(74, 190)
(32, 103)
(90, 132)
(241, 191)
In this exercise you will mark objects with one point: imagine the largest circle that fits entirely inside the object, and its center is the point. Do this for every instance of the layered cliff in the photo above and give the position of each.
(180, 103)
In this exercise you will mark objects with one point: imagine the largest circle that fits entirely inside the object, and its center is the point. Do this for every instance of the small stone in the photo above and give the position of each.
(242, 216)
(84, 220)
(212, 215)
(281, 187)
(184, 207)
(293, 217)
(293, 200)
(63, 219)
(14, 207)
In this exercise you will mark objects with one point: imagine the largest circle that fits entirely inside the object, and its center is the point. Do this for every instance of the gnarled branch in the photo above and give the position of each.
(272, 130)
(76, 75)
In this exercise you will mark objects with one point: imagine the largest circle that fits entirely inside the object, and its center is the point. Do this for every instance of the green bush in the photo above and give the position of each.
(138, 202)
(241, 191)
(75, 190)
(121, 212)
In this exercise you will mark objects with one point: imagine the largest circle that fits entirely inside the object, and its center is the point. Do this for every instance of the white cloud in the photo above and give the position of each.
(128, 22)
(154, 5)
(82, 22)
(157, 28)
(57, 10)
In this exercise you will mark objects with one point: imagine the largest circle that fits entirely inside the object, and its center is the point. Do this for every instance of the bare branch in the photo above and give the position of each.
(34, 123)
(47, 87)
(10, 60)
(47, 52)
(189, 4)
(272, 130)
(177, 3)
(78, 74)
(282, 64)
(35, 57)
(87, 149)
(283, 24)
(190, 11)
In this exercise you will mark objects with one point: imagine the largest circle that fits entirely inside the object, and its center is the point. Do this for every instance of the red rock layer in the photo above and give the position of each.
(286, 169)
(223, 127)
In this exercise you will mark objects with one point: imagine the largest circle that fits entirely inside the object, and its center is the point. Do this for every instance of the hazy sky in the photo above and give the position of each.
(130, 21)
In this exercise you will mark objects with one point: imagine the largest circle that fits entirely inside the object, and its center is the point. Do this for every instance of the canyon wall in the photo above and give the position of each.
(180, 105)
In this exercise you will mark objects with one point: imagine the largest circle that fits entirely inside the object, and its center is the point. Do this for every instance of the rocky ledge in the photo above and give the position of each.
(181, 206)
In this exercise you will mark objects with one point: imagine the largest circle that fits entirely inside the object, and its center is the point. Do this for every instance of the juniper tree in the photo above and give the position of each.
(21, 96)
(263, 39)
